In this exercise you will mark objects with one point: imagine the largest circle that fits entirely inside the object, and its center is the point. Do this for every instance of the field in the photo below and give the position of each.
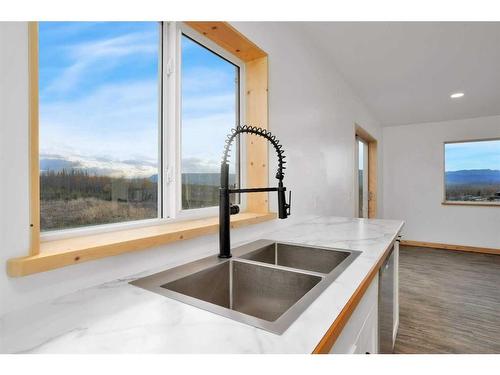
(61, 214)
(472, 192)
(74, 198)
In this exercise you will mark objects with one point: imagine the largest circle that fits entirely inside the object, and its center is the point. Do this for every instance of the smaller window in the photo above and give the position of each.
(472, 171)
(210, 109)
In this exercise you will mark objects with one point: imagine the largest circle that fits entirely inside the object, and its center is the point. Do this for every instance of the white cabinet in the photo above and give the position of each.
(368, 338)
(360, 334)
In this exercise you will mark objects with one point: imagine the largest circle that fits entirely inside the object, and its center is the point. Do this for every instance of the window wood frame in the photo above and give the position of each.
(372, 143)
(47, 255)
(34, 163)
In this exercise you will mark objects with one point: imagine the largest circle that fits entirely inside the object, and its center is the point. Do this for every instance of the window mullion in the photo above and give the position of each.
(161, 129)
(171, 106)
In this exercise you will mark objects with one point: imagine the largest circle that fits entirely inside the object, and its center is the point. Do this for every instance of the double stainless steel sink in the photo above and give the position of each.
(266, 284)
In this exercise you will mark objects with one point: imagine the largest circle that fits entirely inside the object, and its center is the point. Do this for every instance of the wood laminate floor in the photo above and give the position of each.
(449, 302)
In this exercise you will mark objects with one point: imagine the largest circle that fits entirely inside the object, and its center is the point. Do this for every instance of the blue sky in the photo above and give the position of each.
(99, 98)
(472, 155)
(208, 106)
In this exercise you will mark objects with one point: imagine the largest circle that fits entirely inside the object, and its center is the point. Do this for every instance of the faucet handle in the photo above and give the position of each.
(234, 209)
(289, 204)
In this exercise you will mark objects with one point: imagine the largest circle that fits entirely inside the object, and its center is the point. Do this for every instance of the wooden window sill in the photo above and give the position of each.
(65, 252)
(471, 203)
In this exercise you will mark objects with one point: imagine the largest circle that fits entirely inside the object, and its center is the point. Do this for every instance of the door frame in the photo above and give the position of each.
(372, 143)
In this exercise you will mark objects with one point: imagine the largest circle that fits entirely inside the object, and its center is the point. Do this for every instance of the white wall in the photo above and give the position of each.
(413, 184)
(312, 111)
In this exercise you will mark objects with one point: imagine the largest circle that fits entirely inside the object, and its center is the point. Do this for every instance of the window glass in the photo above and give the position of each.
(98, 93)
(472, 171)
(362, 170)
(361, 178)
(210, 93)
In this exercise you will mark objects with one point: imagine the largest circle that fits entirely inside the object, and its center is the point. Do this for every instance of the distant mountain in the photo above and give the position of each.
(473, 177)
(100, 166)
(56, 164)
(208, 179)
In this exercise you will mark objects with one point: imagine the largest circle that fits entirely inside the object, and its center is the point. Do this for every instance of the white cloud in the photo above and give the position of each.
(123, 45)
(203, 79)
(99, 55)
(115, 122)
(116, 126)
(205, 135)
(98, 165)
(113, 128)
(201, 104)
(199, 165)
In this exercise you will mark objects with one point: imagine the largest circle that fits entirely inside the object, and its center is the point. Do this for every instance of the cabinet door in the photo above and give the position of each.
(367, 342)
(360, 333)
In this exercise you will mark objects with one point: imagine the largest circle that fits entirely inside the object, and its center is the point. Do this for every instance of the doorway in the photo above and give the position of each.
(365, 174)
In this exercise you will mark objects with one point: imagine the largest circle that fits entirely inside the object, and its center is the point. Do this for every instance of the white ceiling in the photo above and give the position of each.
(405, 72)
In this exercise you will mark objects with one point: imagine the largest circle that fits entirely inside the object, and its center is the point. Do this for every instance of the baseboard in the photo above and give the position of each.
(472, 249)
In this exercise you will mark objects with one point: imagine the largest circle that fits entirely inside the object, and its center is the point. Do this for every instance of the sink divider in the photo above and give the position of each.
(277, 267)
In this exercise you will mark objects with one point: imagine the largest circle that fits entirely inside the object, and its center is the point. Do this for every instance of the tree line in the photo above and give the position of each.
(77, 183)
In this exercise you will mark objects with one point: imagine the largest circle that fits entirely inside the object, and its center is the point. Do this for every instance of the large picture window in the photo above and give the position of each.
(472, 171)
(117, 113)
(110, 150)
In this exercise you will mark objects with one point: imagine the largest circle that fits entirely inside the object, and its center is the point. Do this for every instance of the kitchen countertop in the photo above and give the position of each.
(117, 317)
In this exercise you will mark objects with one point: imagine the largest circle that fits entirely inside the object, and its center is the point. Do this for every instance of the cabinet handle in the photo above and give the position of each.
(368, 353)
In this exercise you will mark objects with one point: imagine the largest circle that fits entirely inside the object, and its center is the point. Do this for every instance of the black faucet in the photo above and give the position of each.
(226, 208)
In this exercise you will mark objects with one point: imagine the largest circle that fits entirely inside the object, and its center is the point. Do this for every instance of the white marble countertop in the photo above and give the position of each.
(116, 317)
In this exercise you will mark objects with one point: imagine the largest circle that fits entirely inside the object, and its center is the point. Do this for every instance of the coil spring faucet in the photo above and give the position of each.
(226, 208)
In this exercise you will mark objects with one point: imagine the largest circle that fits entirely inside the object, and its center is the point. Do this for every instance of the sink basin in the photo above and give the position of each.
(261, 291)
(266, 284)
(297, 256)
